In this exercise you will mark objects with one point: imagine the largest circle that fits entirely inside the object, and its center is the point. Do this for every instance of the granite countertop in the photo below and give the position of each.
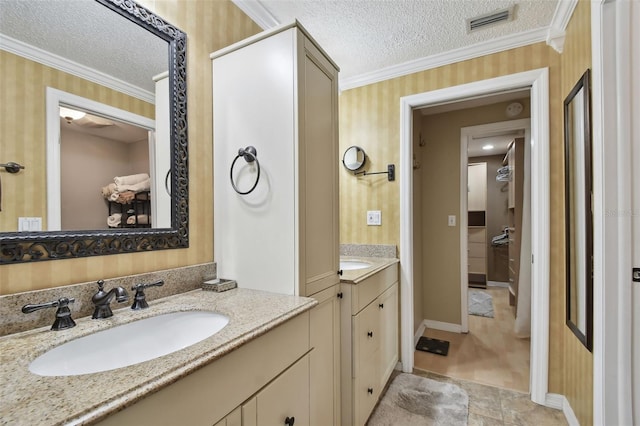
(355, 276)
(26, 398)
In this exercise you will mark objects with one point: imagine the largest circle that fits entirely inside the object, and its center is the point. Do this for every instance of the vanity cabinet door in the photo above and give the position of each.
(324, 359)
(388, 306)
(318, 150)
(285, 398)
(366, 362)
(366, 387)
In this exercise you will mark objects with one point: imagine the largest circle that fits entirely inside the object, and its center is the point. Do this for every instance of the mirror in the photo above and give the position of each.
(81, 46)
(354, 158)
(578, 211)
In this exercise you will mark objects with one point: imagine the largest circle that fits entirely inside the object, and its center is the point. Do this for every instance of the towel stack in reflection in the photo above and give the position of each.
(124, 188)
(141, 219)
(114, 220)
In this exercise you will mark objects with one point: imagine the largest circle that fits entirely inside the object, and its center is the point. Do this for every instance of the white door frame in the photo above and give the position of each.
(538, 81)
(611, 138)
(466, 135)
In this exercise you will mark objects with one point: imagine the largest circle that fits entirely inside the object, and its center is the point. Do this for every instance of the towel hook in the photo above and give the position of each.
(12, 167)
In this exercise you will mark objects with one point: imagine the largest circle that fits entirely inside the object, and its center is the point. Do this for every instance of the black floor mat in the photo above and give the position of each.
(435, 346)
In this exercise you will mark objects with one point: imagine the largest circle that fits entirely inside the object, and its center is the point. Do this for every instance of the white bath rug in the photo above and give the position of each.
(480, 303)
(414, 400)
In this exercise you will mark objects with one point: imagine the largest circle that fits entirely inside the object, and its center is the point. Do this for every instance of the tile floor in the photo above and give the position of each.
(492, 406)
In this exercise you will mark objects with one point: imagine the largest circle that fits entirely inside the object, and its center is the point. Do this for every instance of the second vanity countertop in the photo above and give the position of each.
(355, 276)
(26, 398)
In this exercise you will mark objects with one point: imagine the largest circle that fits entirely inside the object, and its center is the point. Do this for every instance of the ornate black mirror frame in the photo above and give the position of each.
(578, 212)
(17, 247)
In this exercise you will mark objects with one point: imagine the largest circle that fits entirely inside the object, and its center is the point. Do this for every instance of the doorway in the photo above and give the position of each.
(536, 81)
(491, 343)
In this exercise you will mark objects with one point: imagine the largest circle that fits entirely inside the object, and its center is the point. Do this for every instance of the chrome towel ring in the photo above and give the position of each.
(250, 154)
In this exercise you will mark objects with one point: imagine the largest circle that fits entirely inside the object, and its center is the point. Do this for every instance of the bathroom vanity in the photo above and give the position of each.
(258, 363)
(369, 335)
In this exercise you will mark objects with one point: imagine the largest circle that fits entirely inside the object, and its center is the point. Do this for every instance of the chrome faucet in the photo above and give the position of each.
(139, 301)
(102, 299)
(63, 314)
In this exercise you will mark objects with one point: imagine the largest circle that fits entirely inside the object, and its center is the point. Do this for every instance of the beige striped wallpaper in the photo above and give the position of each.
(210, 25)
(369, 117)
(578, 361)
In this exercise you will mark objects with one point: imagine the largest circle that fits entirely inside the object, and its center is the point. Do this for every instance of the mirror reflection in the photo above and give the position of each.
(578, 205)
(83, 48)
(112, 60)
(354, 158)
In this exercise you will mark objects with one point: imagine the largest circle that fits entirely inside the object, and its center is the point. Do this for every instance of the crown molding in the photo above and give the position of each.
(557, 29)
(257, 12)
(54, 61)
(452, 56)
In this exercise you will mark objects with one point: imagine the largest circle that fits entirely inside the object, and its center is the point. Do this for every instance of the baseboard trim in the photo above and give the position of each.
(497, 284)
(443, 326)
(419, 333)
(560, 402)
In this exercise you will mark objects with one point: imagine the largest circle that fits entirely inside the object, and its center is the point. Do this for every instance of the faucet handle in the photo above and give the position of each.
(139, 301)
(63, 314)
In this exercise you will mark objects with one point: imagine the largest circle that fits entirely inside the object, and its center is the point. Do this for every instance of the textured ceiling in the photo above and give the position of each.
(363, 36)
(89, 34)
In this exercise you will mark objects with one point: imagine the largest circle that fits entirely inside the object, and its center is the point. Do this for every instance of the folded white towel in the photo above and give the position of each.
(130, 179)
(114, 220)
(145, 185)
(114, 196)
(143, 219)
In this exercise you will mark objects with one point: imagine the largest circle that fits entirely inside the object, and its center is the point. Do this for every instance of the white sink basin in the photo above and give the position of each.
(351, 265)
(129, 344)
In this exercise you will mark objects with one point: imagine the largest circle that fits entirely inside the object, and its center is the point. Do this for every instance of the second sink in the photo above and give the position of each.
(129, 344)
(350, 265)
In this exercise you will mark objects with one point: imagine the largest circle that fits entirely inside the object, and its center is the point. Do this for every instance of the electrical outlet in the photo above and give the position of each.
(374, 217)
(452, 220)
(29, 224)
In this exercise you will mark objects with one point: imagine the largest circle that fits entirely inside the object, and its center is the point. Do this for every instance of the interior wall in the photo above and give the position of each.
(578, 361)
(209, 27)
(441, 198)
(496, 217)
(369, 117)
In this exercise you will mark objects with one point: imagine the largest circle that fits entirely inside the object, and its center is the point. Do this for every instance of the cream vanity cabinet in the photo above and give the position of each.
(264, 382)
(369, 342)
(278, 92)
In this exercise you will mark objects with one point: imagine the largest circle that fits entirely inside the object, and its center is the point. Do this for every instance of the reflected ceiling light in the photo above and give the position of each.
(487, 147)
(71, 114)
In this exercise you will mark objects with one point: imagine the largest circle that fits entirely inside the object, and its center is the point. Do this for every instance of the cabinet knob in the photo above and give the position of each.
(289, 421)
(370, 391)
(381, 305)
(340, 272)
(370, 333)
(340, 295)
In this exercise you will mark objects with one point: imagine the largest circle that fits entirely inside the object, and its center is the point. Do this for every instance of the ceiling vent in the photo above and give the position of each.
(490, 19)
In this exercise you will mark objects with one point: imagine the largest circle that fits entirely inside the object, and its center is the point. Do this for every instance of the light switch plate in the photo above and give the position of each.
(374, 217)
(452, 220)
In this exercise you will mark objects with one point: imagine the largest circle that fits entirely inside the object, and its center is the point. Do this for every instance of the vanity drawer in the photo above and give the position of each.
(368, 290)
